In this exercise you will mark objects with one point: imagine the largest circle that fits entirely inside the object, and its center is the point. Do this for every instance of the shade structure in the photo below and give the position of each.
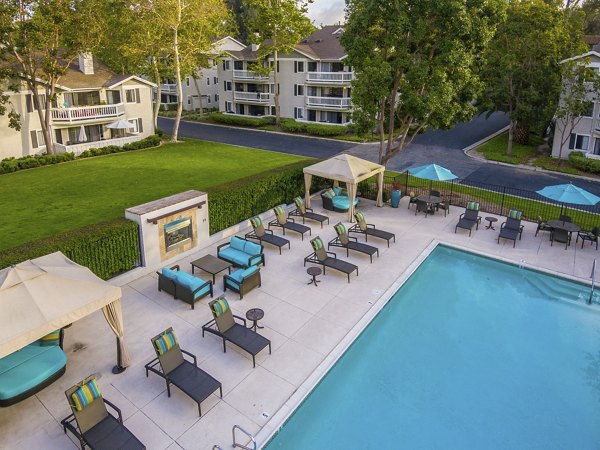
(82, 135)
(44, 294)
(569, 193)
(120, 125)
(432, 172)
(347, 169)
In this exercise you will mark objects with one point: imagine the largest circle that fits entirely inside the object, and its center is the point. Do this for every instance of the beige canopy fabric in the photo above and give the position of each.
(43, 294)
(347, 169)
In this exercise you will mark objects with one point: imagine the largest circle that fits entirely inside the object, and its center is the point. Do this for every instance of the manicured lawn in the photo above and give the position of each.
(495, 150)
(47, 200)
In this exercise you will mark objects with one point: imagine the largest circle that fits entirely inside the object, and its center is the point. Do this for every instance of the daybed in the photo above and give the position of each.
(334, 200)
(183, 286)
(241, 253)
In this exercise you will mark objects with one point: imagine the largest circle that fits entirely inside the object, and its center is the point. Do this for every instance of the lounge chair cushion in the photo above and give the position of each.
(342, 202)
(340, 229)
(473, 206)
(256, 222)
(192, 283)
(360, 217)
(240, 274)
(85, 395)
(317, 244)
(220, 306)
(329, 193)
(169, 274)
(237, 244)
(165, 343)
(299, 201)
(50, 339)
(27, 368)
(515, 214)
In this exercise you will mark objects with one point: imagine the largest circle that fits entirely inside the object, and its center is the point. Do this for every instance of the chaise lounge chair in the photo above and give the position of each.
(224, 326)
(288, 223)
(307, 213)
(171, 365)
(469, 218)
(369, 229)
(328, 259)
(92, 424)
(351, 243)
(262, 235)
(512, 228)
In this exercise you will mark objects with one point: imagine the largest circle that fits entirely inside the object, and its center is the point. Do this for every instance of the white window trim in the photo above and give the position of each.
(577, 135)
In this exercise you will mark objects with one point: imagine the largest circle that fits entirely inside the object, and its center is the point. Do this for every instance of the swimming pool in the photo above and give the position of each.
(470, 353)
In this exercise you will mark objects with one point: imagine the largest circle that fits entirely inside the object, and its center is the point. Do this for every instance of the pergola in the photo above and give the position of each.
(347, 169)
(44, 294)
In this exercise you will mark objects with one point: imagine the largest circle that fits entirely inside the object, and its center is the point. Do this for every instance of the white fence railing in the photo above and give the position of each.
(248, 75)
(168, 88)
(77, 149)
(83, 113)
(252, 96)
(329, 77)
(329, 102)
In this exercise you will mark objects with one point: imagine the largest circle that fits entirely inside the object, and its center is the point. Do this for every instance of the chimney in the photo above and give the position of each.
(86, 63)
(254, 47)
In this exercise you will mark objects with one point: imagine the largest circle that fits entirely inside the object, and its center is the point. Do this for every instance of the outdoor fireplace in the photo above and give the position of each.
(178, 233)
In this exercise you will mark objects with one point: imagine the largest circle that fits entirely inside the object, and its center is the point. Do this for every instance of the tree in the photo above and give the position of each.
(42, 38)
(581, 86)
(522, 72)
(6, 86)
(415, 64)
(279, 25)
(241, 14)
(591, 10)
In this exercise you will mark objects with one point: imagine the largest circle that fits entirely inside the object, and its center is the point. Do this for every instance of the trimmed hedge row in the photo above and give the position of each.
(579, 161)
(314, 129)
(107, 248)
(244, 121)
(9, 165)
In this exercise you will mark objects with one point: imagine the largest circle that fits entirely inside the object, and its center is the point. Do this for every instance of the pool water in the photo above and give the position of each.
(470, 353)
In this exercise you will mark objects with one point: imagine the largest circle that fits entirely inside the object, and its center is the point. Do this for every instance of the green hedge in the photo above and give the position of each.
(230, 119)
(107, 248)
(150, 141)
(579, 161)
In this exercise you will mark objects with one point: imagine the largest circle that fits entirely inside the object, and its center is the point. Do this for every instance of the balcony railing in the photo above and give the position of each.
(329, 77)
(77, 149)
(248, 75)
(168, 88)
(329, 102)
(79, 114)
(258, 97)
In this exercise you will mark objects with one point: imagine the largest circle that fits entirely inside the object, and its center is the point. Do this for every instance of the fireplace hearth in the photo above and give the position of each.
(178, 233)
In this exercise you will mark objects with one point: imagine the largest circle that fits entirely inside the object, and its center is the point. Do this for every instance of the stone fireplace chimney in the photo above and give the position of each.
(86, 63)
(254, 47)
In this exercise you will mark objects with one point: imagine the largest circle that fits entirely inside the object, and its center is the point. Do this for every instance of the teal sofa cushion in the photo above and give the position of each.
(235, 256)
(343, 202)
(237, 244)
(170, 273)
(192, 283)
(29, 367)
(253, 248)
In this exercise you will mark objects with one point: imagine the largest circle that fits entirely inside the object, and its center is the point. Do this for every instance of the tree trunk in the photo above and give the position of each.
(381, 129)
(199, 94)
(511, 133)
(43, 115)
(157, 103)
(177, 74)
(521, 134)
(275, 80)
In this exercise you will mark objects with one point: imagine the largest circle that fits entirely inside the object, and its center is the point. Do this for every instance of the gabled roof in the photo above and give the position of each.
(584, 55)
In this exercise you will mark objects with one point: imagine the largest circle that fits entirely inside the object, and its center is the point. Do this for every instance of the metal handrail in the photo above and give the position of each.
(235, 444)
(216, 447)
(593, 277)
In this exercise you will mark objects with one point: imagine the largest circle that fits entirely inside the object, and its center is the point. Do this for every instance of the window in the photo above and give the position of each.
(189, 100)
(238, 65)
(298, 89)
(228, 85)
(58, 136)
(226, 64)
(277, 66)
(132, 95)
(37, 138)
(137, 125)
(579, 142)
(208, 99)
(298, 113)
(298, 66)
(208, 81)
(273, 111)
(589, 109)
(216, 97)
(113, 97)
(228, 107)
(597, 146)
(215, 80)
(187, 81)
(31, 104)
(312, 66)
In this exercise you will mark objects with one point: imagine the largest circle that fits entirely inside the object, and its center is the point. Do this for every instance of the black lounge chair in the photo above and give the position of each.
(469, 218)
(369, 229)
(224, 326)
(512, 228)
(287, 223)
(328, 259)
(591, 236)
(560, 235)
(351, 243)
(91, 422)
(171, 365)
(261, 235)
(307, 213)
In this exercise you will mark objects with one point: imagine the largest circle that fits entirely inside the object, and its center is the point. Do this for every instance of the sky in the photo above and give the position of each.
(326, 12)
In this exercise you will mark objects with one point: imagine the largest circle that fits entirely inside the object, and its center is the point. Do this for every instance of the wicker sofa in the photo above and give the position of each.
(241, 252)
(183, 286)
(336, 200)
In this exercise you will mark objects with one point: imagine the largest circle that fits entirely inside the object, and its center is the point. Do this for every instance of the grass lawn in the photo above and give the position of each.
(44, 201)
(495, 150)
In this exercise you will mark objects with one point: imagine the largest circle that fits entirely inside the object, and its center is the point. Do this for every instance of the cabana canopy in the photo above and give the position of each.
(47, 293)
(347, 169)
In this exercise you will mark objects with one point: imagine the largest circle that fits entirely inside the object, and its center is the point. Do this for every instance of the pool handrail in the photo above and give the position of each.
(235, 444)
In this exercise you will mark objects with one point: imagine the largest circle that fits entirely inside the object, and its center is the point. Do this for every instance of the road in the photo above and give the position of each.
(444, 147)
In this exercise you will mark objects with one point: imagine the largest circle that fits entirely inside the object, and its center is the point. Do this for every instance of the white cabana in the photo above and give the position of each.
(347, 169)
(47, 293)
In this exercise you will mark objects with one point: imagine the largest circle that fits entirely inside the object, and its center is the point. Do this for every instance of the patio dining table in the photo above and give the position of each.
(570, 227)
(430, 199)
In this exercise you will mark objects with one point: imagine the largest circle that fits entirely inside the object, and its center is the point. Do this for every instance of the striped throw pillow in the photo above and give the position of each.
(340, 229)
(329, 193)
(515, 214)
(220, 307)
(85, 395)
(256, 222)
(51, 339)
(165, 343)
(473, 205)
(317, 244)
(359, 216)
(299, 201)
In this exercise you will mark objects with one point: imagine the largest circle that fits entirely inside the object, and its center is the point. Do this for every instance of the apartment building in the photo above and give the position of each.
(313, 81)
(202, 89)
(89, 98)
(585, 135)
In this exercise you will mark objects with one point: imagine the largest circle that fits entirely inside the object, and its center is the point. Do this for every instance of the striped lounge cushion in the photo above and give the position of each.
(220, 307)
(280, 213)
(473, 205)
(359, 216)
(329, 193)
(515, 214)
(165, 343)
(317, 244)
(256, 221)
(51, 339)
(340, 229)
(85, 395)
(299, 201)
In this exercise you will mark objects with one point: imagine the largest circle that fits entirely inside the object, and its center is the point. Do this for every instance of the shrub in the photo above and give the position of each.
(229, 119)
(291, 126)
(317, 129)
(9, 165)
(107, 248)
(150, 141)
(579, 161)
(159, 132)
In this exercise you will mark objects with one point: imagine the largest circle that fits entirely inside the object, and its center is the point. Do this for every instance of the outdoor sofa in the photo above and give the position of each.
(335, 200)
(183, 286)
(241, 252)
(29, 370)
(242, 281)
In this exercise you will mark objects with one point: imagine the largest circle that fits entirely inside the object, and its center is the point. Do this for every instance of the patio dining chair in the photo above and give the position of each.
(542, 225)
(565, 218)
(424, 207)
(591, 236)
(560, 235)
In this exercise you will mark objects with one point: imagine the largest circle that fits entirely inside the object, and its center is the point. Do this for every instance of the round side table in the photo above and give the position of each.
(491, 221)
(314, 272)
(255, 314)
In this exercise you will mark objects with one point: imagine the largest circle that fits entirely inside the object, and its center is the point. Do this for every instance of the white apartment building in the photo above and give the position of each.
(313, 81)
(202, 89)
(89, 97)
(585, 135)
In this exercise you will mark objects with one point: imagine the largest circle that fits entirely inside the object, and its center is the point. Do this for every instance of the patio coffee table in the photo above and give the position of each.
(211, 264)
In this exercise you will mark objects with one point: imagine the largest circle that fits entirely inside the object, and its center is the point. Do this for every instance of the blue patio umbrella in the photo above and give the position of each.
(569, 193)
(432, 172)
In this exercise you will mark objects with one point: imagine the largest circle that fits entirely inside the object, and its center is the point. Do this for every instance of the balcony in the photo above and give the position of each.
(329, 77)
(248, 75)
(252, 97)
(83, 114)
(77, 149)
(329, 102)
(168, 88)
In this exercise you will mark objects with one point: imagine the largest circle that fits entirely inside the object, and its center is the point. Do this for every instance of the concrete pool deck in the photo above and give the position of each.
(304, 323)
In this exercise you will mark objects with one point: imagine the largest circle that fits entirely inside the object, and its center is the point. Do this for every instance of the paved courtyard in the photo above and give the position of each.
(304, 323)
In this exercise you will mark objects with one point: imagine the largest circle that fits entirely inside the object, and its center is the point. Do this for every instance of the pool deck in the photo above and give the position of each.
(305, 324)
